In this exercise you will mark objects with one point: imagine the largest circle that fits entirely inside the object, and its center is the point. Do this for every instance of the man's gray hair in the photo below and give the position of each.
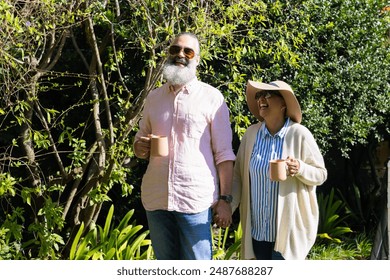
(190, 35)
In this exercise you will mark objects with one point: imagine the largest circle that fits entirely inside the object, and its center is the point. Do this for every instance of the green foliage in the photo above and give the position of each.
(226, 243)
(69, 108)
(356, 248)
(354, 204)
(342, 81)
(7, 184)
(330, 226)
(45, 242)
(234, 250)
(35, 240)
(243, 44)
(122, 242)
(11, 236)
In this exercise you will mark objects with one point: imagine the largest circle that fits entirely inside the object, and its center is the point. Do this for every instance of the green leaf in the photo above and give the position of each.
(72, 254)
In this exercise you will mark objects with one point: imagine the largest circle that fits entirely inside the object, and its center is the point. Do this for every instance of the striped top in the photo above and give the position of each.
(264, 192)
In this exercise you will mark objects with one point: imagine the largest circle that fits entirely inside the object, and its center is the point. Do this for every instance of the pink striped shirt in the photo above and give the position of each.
(196, 121)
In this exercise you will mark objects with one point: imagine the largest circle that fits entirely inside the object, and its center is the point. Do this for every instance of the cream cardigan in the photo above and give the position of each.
(298, 213)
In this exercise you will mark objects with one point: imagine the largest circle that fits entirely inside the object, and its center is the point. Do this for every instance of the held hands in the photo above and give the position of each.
(222, 214)
(292, 166)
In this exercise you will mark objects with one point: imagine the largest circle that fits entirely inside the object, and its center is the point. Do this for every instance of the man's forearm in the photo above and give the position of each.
(225, 172)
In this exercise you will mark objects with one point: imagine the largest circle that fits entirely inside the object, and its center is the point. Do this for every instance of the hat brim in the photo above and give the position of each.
(293, 108)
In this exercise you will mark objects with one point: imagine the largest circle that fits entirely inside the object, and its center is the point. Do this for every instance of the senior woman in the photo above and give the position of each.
(279, 219)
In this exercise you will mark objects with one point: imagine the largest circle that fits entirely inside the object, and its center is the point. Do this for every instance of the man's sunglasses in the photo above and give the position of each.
(175, 50)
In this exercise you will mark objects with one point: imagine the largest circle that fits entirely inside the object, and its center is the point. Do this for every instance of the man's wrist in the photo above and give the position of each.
(226, 197)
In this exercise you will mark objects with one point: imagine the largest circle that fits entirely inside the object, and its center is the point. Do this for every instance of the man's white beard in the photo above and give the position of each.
(178, 75)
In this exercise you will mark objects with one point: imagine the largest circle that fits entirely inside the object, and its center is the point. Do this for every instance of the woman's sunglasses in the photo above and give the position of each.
(267, 94)
(175, 50)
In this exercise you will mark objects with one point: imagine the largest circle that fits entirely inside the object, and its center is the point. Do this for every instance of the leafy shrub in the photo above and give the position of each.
(124, 242)
(330, 224)
(358, 248)
(222, 247)
(11, 237)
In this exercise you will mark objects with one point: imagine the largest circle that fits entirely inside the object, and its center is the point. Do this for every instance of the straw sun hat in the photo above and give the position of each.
(293, 108)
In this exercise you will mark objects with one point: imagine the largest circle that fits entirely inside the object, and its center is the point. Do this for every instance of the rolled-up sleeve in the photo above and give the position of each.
(144, 124)
(221, 135)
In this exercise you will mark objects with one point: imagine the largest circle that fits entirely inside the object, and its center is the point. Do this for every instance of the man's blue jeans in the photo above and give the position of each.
(179, 236)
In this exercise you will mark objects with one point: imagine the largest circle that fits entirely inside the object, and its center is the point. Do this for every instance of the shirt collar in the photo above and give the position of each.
(281, 133)
(187, 88)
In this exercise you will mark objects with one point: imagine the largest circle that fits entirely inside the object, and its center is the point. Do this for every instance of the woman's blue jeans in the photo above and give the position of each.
(180, 236)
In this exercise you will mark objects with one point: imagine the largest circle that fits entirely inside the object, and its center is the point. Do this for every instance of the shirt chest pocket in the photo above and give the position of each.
(195, 125)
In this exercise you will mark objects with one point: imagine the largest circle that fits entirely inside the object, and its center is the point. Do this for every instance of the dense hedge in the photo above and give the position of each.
(74, 75)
